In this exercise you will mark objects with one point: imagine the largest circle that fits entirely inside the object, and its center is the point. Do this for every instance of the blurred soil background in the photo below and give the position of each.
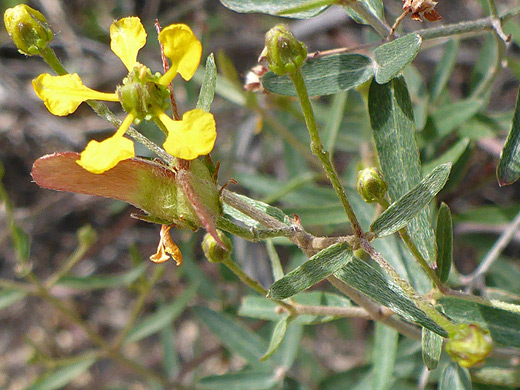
(30, 330)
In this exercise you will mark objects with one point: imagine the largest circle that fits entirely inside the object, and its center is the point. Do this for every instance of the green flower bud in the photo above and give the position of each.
(371, 185)
(283, 52)
(140, 93)
(469, 344)
(28, 29)
(213, 251)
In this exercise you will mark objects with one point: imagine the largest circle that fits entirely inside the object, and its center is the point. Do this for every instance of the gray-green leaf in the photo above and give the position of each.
(251, 380)
(444, 239)
(363, 277)
(207, 90)
(276, 338)
(391, 117)
(431, 348)
(62, 376)
(325, 75)
(401, 212)
(272, 7)
(233, 335)
(392, 57)
(455, 377)
(383, 356)
(314, 270)
(509, 166)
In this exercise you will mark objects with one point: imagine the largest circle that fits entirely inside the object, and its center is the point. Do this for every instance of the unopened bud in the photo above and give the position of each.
(283, 52)
(371, 185)
(213, 251)
(27, 28)
(469, 344)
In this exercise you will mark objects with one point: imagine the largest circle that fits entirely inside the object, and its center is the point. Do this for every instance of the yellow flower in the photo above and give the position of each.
(142, 95)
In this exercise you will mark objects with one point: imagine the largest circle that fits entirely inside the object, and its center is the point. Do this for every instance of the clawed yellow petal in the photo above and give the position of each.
(127, 37)
(63, 94)
(99, 157)
(183, 49)
(191, 137)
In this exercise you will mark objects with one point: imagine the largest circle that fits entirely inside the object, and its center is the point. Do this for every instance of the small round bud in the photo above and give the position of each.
(469, 344)
(87, 235)
(28, 29)
(283, 52)
(213, 251)
(371, 185)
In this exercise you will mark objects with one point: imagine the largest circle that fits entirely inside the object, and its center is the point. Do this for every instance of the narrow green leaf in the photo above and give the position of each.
(452, 155)
(391, 117)
(325, 75)
(444, 239)
(337, 111)
(254, 306)
(455, 377)
(317, 268)
(288, 349)
(100, 282)
(450, 116)
(170, 361)
(164, 316)
(431, 348)
(62, 376)
(444, 68)
(276, 338)
(392, 57)
(363, 277)
(207, 90)
(497, 376)
(503, 322)
(9, 297)
(261, 206)
(383, 356)
(272, 7)
(21, 242)
(399, 214)
(508, 170)
(486, 63)
(374, 6)
(250, 380)
(233, 335)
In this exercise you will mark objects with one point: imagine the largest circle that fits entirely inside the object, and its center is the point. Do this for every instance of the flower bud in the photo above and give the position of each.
(140, 93)
(469, 344)
(27, 28)
(213, 251)
(283, 52)
(371, 185)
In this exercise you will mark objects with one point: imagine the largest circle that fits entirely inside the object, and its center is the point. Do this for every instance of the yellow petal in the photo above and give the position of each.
(183, 49)
(127, 36)
(63, 94)
(99, 157)
(191, 137)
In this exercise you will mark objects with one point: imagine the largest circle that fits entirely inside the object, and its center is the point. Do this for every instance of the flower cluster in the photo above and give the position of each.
(142, 94)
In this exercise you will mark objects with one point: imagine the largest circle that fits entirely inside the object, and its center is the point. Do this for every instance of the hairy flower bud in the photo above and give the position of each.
(283, 52)
(371, 185)
(141, 93)
(213, 251)
(469, 344)
(27, 28)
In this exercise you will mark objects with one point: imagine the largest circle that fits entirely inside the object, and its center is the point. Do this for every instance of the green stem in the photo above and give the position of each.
(146, 290)
(415, 252)
(244, 277)
(255, 285)
(474, 26)
(319, 151)
(49, 56)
